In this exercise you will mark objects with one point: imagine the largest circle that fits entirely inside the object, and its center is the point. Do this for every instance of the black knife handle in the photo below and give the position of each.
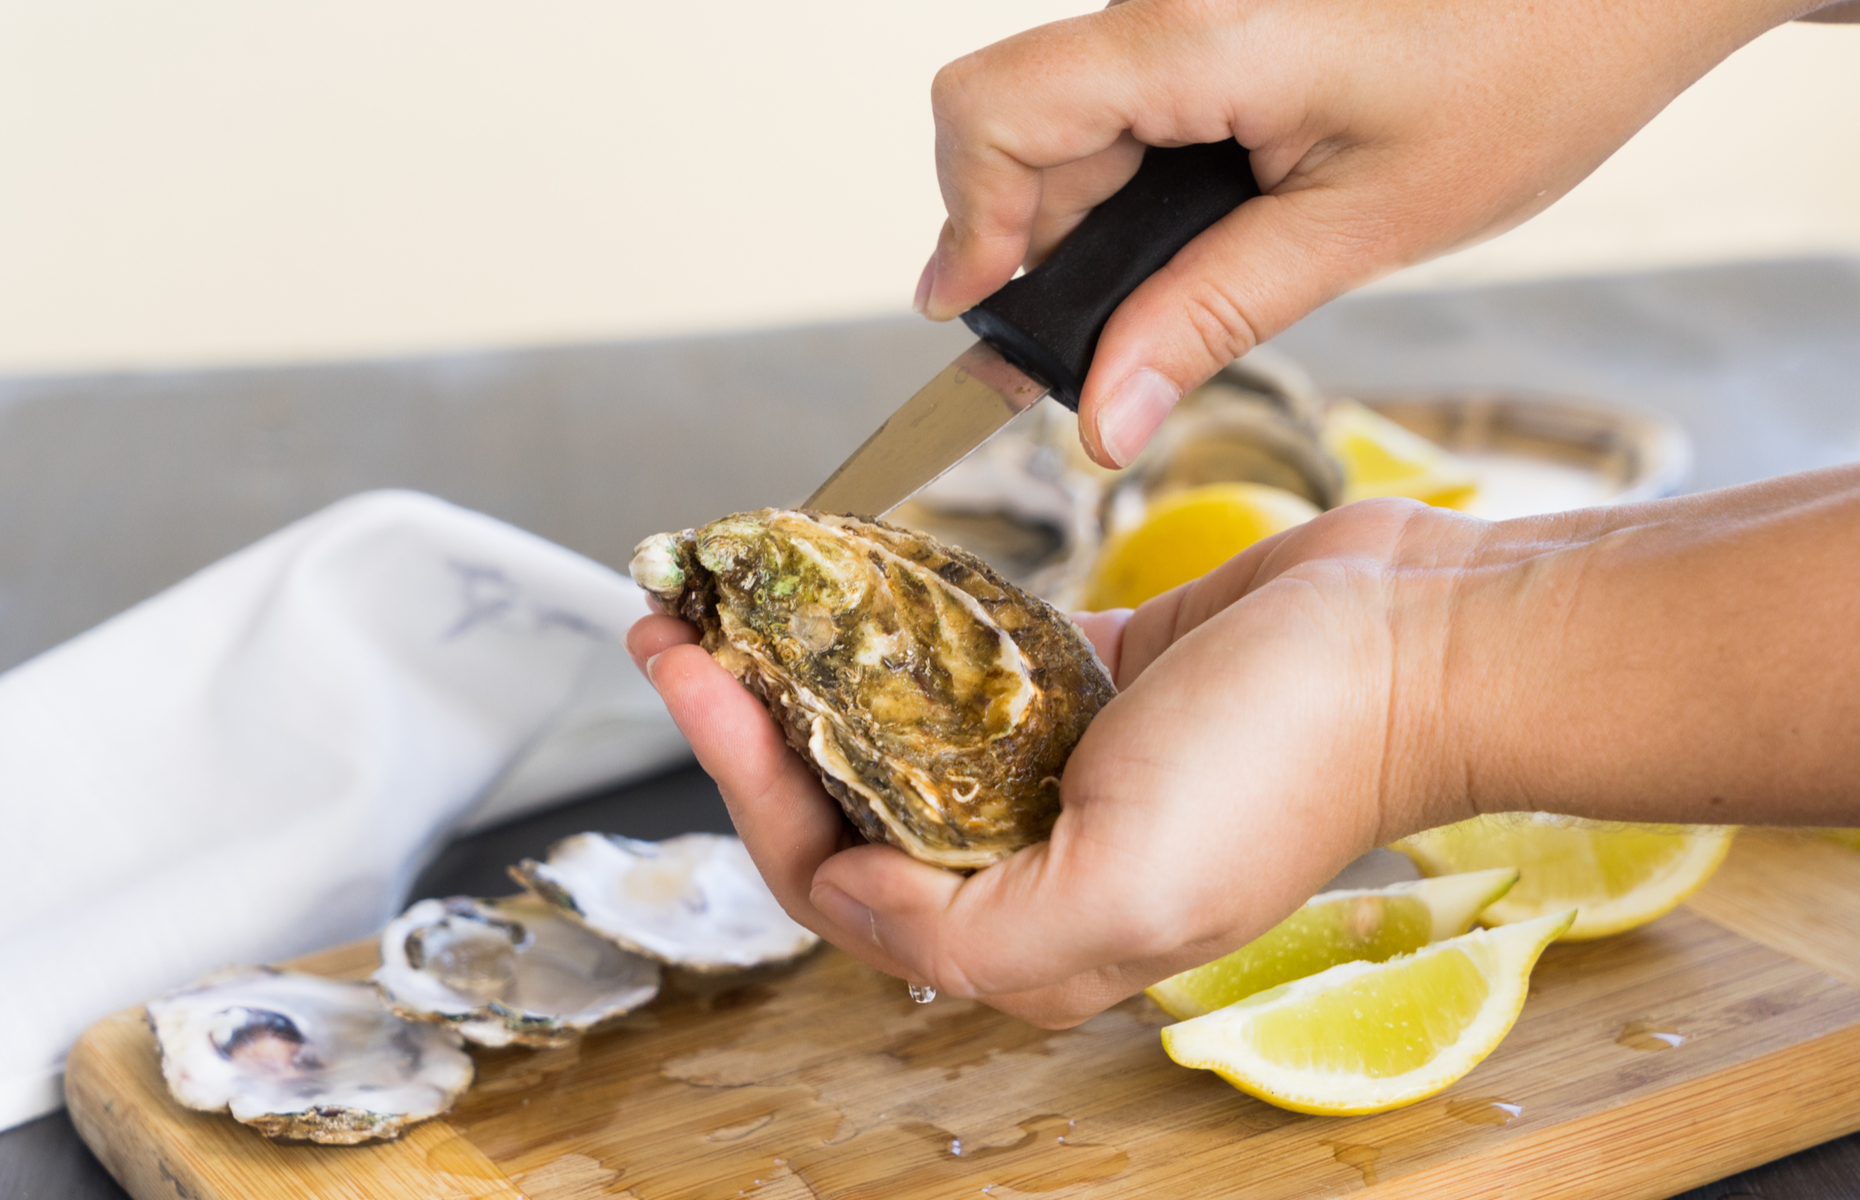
(1047, 321)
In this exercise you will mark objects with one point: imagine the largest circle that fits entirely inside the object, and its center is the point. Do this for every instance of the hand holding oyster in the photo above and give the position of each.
(936, 701)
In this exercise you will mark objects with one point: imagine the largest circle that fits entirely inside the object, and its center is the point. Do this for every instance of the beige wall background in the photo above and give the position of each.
(201, 181)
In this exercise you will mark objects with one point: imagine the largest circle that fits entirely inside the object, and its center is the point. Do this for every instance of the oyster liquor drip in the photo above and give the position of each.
(936, 701)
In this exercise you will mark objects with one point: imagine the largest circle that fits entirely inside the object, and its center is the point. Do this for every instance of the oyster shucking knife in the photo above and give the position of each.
(1038, 333)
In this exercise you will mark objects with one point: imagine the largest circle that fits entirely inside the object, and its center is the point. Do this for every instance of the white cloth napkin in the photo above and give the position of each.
(255, 763)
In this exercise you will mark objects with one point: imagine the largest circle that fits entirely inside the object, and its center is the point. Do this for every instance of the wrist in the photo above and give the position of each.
(1685, 660)
(1475, 615)
(1515, 594)
(1439, 562)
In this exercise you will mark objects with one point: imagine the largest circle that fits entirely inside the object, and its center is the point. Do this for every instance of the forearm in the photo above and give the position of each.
(1846, 13)
(1692, 660)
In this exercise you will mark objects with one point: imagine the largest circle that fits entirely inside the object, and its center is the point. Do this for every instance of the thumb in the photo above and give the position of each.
(1244, 279)
(1095, 894)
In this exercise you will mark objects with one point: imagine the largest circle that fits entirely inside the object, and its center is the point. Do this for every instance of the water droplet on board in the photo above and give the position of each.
(458, 1156)
(569, 1175)
(1649, 1035)
(922, 994)
(1363, 1158)
(781, 1184)
(731, 1133)
(1484, 1110)
(1042, 1159)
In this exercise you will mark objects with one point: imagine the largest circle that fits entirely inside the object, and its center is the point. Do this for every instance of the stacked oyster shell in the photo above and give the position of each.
(937, 700)
(694, 901)
(507, 972)
(300, 1056)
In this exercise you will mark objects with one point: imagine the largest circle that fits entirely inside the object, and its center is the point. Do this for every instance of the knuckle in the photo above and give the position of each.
(952, 978)
(1145, 932)
(1219, 320)
(953, 89)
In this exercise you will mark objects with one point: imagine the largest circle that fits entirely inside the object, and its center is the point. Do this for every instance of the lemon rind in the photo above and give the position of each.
(1274, 510)
(1840, 836)
(1439, 477)
(1454, 902)
(1514, 950)
(1647, 902)
(1692, 870)
(1457, 899)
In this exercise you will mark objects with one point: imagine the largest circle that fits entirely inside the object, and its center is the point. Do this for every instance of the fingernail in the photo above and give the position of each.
(652, 663)
(1132, 414)
(925, 282)
(845, 912)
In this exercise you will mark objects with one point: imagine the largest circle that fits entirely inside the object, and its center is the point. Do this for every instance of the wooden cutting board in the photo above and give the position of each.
(824, 1080)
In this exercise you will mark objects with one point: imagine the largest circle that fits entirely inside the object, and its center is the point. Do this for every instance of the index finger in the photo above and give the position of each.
(1060, 94)
(786, 819)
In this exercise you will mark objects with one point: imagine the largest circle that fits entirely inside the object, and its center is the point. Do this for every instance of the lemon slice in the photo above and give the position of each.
(1336, 927)
(1618, 876)
(1840, 837)
(1364, 1037)
(1185, 535)
(1382, 458)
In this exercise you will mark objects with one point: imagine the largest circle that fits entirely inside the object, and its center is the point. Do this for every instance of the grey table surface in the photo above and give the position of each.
(114, 486)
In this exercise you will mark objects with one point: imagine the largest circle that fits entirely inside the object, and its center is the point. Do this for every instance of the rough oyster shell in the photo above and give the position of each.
(506, 972)
(937, 702)
(300, 1056)
(694, 901)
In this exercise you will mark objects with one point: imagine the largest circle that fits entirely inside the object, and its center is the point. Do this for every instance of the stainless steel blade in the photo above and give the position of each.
(951, 415)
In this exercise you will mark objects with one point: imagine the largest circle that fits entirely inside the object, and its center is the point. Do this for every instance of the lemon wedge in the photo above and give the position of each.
(1617, 876)
(1382, 458)
(1364, 1037)
(1185, 535)
(1371, 925)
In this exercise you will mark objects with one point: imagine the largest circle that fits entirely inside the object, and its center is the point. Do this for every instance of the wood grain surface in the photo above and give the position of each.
(824, 1080)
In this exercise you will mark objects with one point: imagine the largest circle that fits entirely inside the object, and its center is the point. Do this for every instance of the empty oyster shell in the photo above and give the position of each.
(937, 702)
(300, 1056)
(1015, 503)
(1257, 421)
(695, 900)
(510, 971)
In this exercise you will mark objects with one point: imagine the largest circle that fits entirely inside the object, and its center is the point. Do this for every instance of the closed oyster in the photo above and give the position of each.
(303, 1057)
(695, 900)
(506, 972)
(937, 702)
